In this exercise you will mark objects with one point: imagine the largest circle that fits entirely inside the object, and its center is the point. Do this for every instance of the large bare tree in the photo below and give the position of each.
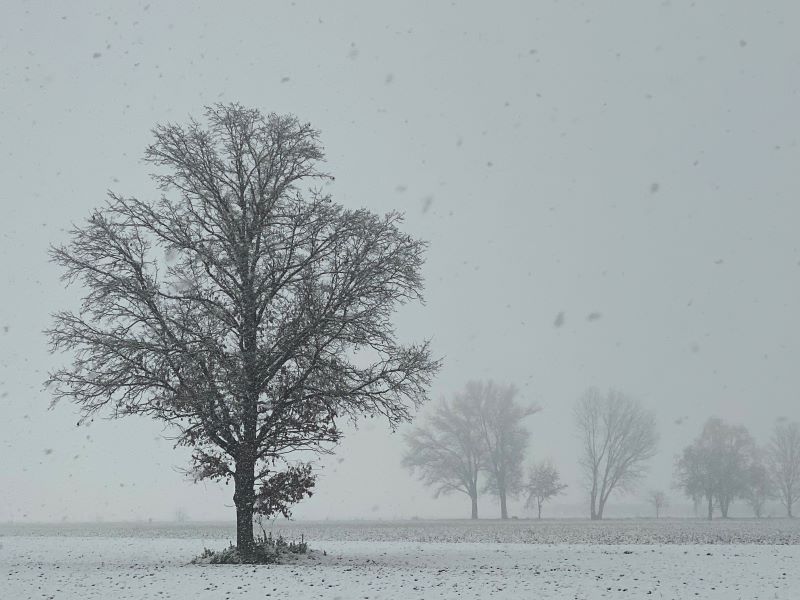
(243, 307)
(448, 451)
(618, 436)
(783, 460)
(504, 435)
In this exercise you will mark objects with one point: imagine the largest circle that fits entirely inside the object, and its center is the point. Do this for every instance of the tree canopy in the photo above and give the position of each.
(718, 466)
(619, 437)
(243, 307)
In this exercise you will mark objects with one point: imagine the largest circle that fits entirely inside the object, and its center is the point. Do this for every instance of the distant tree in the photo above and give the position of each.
(504, 436)
(783, 462)
(243, 307)
(758, 485)
(659, 501)
(543, 483)
(697, 503)
(717, 466)
(693, 477)
(448, 451)
(618, 436)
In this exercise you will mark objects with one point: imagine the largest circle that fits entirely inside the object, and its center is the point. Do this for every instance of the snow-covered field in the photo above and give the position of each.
(123, 561)
(557, 531)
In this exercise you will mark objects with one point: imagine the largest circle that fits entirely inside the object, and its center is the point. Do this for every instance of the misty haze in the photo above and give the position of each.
(400, 300)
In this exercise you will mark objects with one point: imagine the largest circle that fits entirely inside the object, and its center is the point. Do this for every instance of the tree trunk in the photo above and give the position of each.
(244, 498)
(474, 498)
(789, 508)
(592, 509)
(710, 508)
(539, 505)
(503, 507)
(601, 505)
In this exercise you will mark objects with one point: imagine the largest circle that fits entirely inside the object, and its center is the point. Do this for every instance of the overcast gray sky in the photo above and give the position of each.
(634, 159)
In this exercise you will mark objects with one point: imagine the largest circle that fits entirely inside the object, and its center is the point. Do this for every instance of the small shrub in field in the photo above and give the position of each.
(267, 550)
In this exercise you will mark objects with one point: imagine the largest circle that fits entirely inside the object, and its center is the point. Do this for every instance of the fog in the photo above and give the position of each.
(610, 193)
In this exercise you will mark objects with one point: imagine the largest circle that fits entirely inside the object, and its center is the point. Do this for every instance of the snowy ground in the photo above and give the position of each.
(34, 564)
(557, 531)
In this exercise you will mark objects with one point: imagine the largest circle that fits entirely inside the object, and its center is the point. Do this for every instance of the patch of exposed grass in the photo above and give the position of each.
(267, 550)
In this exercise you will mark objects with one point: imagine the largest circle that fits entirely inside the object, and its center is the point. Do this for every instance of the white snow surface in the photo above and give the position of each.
(35, 565)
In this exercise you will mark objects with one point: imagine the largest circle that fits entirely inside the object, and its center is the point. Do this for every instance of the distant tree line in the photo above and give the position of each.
(476, 442)
(725, 464)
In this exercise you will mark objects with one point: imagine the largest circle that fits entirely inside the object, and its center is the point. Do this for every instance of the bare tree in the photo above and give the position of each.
(504, 436)
(244, 309)
(717, 466)
(659, 501)
(758, 488)
(693, 476)
(619, 437)
(783, 461)
(448, 452)
(544, 483)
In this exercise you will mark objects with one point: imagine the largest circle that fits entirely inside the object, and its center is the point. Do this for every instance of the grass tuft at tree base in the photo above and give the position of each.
(267, 550)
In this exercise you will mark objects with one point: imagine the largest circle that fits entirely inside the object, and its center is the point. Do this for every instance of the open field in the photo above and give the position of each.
(557, 531)
(399, 560)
